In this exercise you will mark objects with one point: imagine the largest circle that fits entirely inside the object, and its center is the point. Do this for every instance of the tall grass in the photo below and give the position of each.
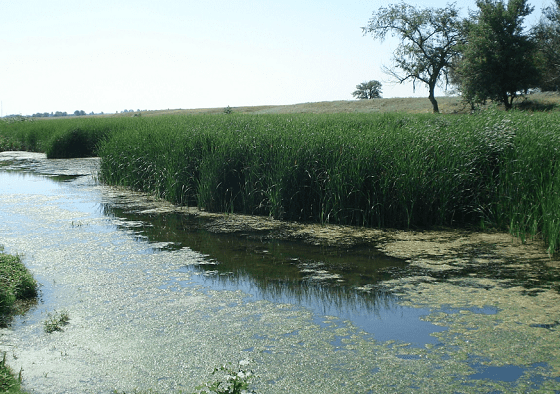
(384, 170)
(59, 138)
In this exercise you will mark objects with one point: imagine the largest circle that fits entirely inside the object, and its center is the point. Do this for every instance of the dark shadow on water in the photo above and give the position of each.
(328, 280)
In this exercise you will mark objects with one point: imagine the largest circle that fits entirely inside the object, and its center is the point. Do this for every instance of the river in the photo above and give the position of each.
(158, 296)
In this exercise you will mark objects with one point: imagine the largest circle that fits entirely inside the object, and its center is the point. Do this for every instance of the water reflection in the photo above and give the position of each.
(332, 281)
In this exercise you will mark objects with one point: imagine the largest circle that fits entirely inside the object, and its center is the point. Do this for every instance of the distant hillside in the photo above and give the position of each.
(548, 101)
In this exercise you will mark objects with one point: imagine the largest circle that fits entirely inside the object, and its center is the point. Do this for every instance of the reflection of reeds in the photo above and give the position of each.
(332, 299)
(286, 272)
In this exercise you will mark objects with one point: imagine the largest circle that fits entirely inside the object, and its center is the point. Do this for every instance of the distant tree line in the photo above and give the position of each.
(486, 56)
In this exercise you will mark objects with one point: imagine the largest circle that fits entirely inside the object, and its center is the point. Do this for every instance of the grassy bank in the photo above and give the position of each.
(370, 169)
(16, 286)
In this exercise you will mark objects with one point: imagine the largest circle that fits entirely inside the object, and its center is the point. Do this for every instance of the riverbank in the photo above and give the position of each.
(17, 288)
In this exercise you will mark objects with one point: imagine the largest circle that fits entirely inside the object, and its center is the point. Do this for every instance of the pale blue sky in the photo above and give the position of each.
(100, 55)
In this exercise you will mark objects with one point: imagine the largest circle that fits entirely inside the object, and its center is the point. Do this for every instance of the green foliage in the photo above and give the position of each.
(430, 40)
(75, 142)
(499, 59)
(382, 170)
(547, 34)
(368, 90)
(56, 321)
(59, 138)
(16, 283)
(227, 380)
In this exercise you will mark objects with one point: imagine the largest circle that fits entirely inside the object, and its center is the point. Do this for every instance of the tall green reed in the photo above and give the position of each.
(385, 170)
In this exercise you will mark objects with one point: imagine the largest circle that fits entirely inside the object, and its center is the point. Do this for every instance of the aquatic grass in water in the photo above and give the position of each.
(232, 381)
(59, 138)
(56, 321)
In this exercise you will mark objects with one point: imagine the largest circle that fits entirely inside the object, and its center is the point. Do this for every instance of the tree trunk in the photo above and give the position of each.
(507, 103)
(435, 108)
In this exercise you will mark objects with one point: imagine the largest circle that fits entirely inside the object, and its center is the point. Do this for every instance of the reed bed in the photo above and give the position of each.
(389, 170)
(59, 138)
(493, 169)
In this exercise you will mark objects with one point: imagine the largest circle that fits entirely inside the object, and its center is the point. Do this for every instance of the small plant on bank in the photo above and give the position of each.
(55, 321)
(8, 382)
(232, 381)
(228, 110)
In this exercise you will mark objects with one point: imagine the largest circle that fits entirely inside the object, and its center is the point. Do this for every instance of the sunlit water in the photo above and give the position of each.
(156, 303)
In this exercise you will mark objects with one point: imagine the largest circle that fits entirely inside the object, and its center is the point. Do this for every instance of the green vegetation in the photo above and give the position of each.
(368, 90)
(499, 59)
(493, 168)
(374, 170)
(8, 382)
(55, 321)
(16, 285)
(430, 41)
(487, 56)
(59, 138)
(234, 381)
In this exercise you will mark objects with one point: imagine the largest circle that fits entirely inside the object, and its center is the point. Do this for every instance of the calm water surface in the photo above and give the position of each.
(156, 302)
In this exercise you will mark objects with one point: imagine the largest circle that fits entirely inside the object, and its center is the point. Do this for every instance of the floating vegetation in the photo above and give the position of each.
(56, 321)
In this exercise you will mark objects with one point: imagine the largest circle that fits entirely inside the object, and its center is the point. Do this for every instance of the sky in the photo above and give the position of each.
(111, 55)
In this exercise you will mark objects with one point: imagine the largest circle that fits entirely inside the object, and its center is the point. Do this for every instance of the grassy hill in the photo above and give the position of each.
(547, 101)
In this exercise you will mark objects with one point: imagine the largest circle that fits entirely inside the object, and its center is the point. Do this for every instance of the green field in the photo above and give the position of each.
(368, 168)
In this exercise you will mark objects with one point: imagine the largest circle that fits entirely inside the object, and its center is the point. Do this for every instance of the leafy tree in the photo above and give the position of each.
(429, 41)
(547, 34)
(499, 59)
(368, 90)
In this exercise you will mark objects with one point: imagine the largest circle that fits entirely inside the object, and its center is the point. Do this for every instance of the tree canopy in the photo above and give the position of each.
(499, 59)
(368, 90)
(430, 41)
(547, 34)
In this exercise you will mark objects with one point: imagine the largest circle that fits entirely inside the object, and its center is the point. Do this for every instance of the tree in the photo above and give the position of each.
(499, 59)
(547, 34)
(429, 41)
(368, 90)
